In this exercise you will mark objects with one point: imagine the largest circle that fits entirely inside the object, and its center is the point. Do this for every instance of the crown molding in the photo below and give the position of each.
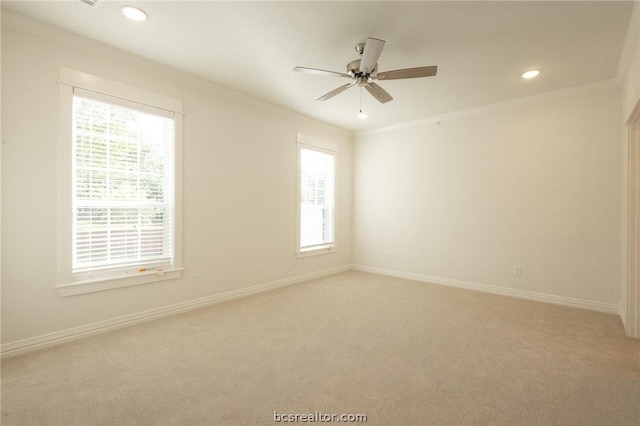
(82, 43)
(498, 106)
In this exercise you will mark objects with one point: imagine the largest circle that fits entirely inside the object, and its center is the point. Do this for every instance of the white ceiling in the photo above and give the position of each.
(481, 48)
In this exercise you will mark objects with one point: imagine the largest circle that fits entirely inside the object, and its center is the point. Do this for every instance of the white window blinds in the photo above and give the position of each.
(317, 188)
(123, 195)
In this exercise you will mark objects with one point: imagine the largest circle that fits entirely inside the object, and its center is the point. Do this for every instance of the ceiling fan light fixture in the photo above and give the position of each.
(363, 115)
(134, 13)
(530, 74)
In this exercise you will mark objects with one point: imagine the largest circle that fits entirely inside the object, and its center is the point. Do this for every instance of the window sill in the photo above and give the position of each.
(315, 251)
(101, 284)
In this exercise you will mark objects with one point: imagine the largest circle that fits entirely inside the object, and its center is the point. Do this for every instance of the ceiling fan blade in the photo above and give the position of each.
(334, 92)
(408, 73)
(321, 72)
(371, 54)
(378, 92)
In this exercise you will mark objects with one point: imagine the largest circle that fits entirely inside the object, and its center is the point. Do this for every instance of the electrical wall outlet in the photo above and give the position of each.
(517, 271)
(194, 278)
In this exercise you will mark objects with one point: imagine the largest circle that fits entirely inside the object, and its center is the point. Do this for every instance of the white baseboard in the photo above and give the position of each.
(40, 342)
(609, 308)
(56, 338)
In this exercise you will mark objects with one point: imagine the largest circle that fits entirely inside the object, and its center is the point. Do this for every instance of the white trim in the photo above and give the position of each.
(498, 106)
(324, 249)
(631, 312)
(311, 143)
(590, 305)
(56, 338)
(72, 80)
(108, 283)
(317, 143)
(114, 89)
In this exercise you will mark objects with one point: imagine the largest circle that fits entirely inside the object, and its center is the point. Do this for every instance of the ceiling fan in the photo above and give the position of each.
(364, 71)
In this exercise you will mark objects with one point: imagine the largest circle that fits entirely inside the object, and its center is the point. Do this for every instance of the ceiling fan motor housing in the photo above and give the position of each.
(353, 69)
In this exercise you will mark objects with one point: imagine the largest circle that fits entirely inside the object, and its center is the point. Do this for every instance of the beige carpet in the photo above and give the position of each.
(398, 351)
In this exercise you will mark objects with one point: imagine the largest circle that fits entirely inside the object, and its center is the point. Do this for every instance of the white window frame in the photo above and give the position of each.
(308, 142)
(70, 79)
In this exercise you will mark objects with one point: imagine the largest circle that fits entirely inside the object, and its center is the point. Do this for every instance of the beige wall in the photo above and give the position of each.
(535, 185)
(239, 188)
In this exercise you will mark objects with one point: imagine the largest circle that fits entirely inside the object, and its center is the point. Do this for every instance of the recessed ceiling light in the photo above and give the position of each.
(134, 13)
(531, 74)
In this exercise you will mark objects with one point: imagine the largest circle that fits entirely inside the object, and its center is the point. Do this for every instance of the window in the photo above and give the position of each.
(122, 189)
(124, 166)
(316, 195)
